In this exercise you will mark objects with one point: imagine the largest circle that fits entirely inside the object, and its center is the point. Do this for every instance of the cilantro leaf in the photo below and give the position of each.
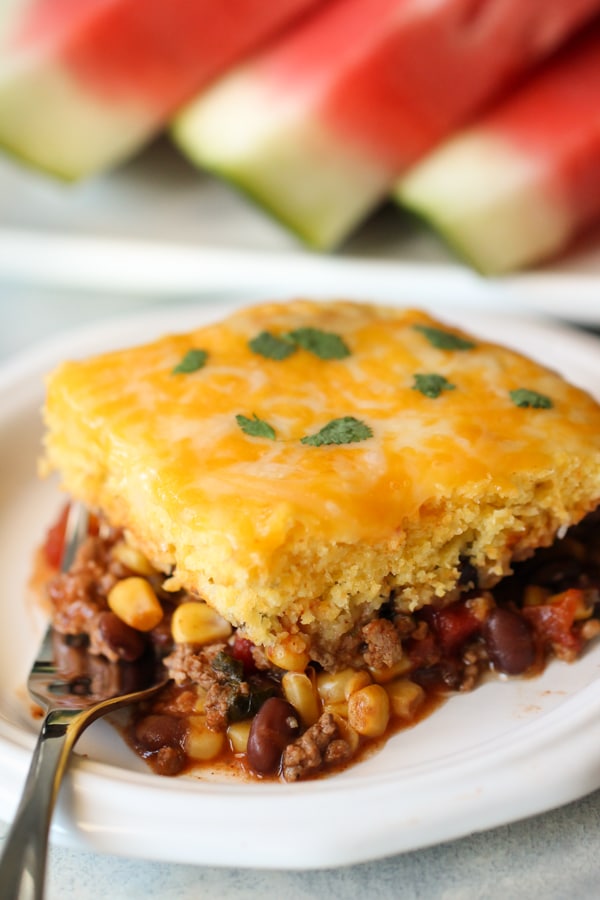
(271, 346)
(232, 670)
(346, 430)
(324, 344)
(193, 360)
(524, 397)
(432, 385)
(444, 340)
(255, 427)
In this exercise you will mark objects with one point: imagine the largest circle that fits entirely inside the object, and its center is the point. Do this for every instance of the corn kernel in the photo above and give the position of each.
(289, 654)
(335, 687)
(133, 559)
(369, 710)
(238, 733)
(201, 743)
(337, 709)
(405, 697)
(299, 691)
(194, 622)
(133, 600)
(401, 667)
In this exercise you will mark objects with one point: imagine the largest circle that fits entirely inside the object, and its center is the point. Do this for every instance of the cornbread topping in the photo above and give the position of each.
(316, 489)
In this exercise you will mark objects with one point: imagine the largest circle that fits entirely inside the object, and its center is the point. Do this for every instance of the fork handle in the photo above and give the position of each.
(23, 863)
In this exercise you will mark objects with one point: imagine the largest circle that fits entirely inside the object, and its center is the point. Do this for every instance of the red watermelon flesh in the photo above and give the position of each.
(516, 186)
(365, 87)
(158, 52)
(399, 75)
(555, 119)
(146, 55)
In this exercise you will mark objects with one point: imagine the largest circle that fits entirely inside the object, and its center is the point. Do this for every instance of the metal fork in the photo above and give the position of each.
(71, 703)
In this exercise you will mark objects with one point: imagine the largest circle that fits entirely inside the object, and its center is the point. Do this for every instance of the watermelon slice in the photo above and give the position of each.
(317, 126)
(84, 83)
(517, 186)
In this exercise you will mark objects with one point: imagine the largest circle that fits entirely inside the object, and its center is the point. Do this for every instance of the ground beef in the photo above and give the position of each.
(187, 664)
(218, 700)
(80, 595)
(384, 645)
(260, 659)
(320, 745)
(347, 652)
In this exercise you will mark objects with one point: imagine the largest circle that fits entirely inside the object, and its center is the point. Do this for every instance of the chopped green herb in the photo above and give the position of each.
(255, 427)
(323, 344)
(444, 340)
(432, 385)
(193, 360)
(524, 397)
(243, 706)
(271, 346)
(232, 669)
(346, 430)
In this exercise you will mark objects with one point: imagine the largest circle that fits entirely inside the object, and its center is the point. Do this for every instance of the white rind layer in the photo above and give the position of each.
(489, 200)
(50, 122)
(269, 147)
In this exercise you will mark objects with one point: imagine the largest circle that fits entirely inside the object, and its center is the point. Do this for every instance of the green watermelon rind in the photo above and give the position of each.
(299, 175)
(261, 202)
(22, 158)
(445, 234)
(235, 179)
(513, 221)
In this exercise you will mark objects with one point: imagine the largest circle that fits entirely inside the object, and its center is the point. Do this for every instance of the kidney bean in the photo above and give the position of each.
(168, 761)
(509, 641)
(125, 641)
(156, 731)
(275, 725)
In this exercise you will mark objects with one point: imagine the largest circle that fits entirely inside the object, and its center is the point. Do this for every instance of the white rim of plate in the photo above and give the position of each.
(127, 265)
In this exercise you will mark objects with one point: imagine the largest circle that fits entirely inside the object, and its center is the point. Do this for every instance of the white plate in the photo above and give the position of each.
(508, 750)
(159, 227)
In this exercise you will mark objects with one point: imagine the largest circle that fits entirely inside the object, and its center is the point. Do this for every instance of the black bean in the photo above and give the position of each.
(275, 725)
(156, 731)
(123, 640)
(509, 641)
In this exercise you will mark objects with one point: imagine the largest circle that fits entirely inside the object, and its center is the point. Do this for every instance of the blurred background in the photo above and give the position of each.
(461, 136)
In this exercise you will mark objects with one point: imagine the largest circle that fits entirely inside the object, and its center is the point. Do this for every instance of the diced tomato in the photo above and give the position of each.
(55, 539)
(242, 651)
(553, 622)
(453, 625)
(424, 652)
